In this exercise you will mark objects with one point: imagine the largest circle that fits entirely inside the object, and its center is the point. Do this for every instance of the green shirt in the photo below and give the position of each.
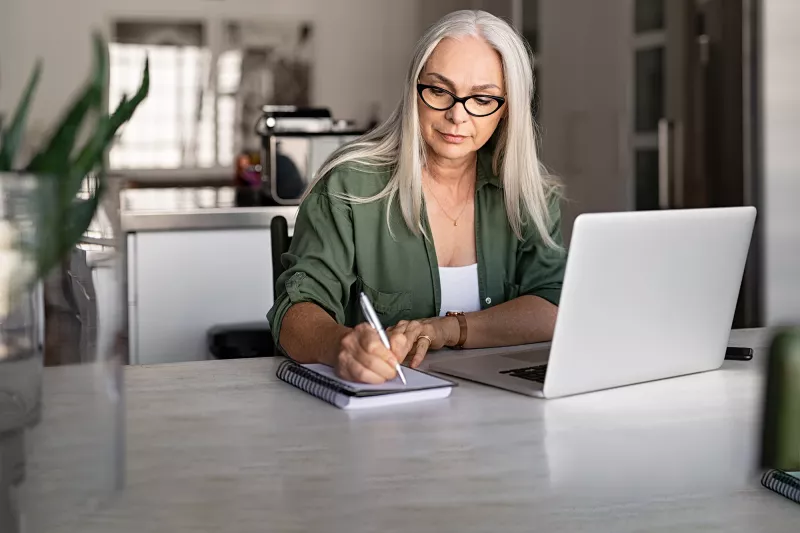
(339, 249)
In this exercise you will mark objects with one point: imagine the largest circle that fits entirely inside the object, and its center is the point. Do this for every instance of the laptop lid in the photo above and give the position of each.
(647, 295)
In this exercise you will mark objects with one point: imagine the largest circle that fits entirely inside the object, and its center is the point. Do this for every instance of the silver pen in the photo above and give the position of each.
(372, 318)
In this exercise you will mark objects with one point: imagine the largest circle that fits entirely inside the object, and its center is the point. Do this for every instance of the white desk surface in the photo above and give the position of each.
(223, 446)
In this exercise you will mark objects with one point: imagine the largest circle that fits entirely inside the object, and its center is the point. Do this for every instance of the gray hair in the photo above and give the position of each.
(398, 143)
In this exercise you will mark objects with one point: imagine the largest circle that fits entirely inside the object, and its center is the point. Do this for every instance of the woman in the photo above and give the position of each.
(442, 216)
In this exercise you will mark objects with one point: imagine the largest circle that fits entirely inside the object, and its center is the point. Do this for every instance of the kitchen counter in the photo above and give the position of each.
(188, 208)
(195, 261)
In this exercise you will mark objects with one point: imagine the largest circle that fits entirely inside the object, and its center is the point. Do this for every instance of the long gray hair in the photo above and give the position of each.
(398, 143)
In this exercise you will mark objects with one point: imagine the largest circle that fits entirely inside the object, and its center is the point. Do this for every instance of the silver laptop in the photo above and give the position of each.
(647, 295)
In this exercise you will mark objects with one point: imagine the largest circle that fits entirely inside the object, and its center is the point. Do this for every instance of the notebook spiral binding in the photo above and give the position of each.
(310, 382)
(782, 483)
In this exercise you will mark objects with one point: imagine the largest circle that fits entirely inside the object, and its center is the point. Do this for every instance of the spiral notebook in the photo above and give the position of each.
(784, 483)
(320, 381)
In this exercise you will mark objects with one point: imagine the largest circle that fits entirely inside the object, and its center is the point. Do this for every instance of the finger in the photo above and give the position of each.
(414, 325)
(420, 351)
(341, 368)
(412, 329)
(357, 372)
(349, 342)
(371, 343)
(400, 326)
(348, 365)
(372, 354)
(362, 328)
(376, 365)
(400, 344)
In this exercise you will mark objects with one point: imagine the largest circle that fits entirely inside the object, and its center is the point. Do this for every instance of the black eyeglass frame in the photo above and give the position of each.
(458, 99)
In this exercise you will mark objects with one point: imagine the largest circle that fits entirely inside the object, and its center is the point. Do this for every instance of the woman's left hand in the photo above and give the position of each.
(421, 335)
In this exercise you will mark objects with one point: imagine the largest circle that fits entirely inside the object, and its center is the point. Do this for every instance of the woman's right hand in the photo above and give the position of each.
(363, 358)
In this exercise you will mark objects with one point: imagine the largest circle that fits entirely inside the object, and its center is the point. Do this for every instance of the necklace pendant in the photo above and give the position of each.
(455, 222)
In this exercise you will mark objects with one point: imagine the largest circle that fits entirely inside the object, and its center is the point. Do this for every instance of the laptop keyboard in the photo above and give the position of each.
(531, 373)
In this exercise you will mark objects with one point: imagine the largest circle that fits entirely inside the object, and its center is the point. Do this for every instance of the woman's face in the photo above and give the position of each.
(465, 67)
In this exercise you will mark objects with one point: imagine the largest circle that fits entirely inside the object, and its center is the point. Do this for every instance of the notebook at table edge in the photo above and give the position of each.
(349, 403)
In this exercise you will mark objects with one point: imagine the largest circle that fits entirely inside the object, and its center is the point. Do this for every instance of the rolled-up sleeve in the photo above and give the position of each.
(319, 263)
(540, 269)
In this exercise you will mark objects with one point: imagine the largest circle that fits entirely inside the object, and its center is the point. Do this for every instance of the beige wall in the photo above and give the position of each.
(430, 11)
(363, 46)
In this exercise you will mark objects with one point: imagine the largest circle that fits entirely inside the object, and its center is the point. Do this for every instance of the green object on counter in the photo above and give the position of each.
(781, 431)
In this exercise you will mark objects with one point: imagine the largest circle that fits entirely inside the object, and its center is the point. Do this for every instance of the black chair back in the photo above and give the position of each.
(253, 339)
(279, 230)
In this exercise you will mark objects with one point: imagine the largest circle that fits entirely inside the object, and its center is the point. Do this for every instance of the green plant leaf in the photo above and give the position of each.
(62, 218)
(88, 158)
(100, 77)
(125, 110)
(91, 155)
(61, 229)
(54, 158)
(12, 136)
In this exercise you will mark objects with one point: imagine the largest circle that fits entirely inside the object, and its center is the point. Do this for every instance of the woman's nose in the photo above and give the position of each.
(457, 114)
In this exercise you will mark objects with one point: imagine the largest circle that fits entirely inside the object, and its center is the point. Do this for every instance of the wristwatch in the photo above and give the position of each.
(462, 325)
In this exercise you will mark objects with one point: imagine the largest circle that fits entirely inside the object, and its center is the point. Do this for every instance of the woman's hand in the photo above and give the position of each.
(363, 358)
(421, 336)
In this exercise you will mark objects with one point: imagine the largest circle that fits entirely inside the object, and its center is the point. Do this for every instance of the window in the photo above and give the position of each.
(201, 109)
(174, 126)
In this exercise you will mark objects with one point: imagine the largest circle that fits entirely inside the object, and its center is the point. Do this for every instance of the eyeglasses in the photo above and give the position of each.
(477, 105)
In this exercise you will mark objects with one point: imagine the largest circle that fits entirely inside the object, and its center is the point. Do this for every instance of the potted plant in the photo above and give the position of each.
(46, 205)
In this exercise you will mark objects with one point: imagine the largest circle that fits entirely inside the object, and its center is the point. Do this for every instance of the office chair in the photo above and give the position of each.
(279, 232)
(234, 341)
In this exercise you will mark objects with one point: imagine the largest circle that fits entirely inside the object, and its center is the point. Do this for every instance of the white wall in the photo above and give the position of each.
(585, 60)
(362, 46)
(781, 157)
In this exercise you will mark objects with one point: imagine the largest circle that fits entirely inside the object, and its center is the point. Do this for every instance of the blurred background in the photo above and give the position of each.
(643, 104)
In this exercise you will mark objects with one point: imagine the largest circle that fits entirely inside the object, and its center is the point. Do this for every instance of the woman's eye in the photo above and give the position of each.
(437, 91)
(483, 101)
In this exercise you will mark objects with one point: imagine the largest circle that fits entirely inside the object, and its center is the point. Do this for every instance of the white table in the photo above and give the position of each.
(222, 446)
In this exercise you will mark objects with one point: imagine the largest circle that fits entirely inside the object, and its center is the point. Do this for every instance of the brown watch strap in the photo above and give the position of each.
(462, 325)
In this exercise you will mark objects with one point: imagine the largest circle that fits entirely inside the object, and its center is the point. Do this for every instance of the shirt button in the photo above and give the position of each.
(488, 301)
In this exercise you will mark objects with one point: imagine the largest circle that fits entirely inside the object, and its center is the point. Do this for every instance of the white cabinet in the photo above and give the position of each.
(180, 283)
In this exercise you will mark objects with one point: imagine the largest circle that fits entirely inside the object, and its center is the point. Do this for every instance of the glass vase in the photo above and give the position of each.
(61, 381)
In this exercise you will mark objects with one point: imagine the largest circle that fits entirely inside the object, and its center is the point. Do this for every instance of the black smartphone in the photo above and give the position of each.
(734, 353)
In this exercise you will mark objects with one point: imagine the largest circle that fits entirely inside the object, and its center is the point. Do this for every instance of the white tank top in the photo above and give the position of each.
(459, 289)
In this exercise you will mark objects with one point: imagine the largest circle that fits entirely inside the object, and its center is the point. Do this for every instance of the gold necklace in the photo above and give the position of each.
(455, 220)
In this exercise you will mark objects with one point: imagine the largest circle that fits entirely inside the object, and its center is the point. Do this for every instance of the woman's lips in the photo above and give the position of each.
(453, 139)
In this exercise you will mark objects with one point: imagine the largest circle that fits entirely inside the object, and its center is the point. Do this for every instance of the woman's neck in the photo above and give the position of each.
(449, 173)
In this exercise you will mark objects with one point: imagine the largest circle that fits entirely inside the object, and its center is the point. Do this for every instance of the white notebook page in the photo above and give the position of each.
(416, 380)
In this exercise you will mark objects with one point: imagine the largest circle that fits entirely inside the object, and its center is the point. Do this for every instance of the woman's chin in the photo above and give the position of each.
(447, 150)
